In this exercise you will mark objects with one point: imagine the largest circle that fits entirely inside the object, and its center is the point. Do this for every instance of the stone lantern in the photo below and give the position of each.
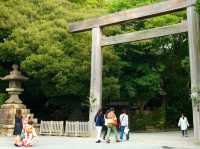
(13, 103)
(15, 78)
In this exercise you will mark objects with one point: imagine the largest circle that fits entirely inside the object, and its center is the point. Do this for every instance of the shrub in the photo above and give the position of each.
(3, 97)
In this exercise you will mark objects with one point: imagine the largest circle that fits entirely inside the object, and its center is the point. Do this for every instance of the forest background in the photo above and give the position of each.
(152, 77)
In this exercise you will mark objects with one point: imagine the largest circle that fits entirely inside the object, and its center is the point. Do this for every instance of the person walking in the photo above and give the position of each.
(183, 124)
(105, 128)
(18, 127)
(123, 123)
(99, 123)
(111, 124)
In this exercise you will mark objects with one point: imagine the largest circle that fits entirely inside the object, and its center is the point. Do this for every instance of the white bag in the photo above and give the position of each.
(126, 130)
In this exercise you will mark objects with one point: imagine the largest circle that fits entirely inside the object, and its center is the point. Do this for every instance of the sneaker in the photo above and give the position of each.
(99, 141)
(17, 145)
(117, 140)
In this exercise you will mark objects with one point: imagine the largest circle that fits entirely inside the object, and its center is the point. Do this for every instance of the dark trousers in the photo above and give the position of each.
(105, 129)
(121, 132)
(127, 136)
(184, 133)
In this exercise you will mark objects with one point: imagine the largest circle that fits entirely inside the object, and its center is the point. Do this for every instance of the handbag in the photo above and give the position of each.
(126, 130)
(115, 122)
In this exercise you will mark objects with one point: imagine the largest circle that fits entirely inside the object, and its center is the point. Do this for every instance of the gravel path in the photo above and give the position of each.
(162, 140)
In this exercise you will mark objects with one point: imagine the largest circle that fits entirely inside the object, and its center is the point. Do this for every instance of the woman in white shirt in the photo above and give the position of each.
(183, 124)
(123, 123)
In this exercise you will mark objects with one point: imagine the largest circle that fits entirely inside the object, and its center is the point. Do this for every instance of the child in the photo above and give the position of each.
(30, 136)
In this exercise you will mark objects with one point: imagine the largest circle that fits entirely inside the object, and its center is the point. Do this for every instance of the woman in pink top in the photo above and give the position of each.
(111, 125)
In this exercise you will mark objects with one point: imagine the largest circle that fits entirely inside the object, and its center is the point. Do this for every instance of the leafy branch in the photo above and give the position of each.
(92, 100)
(195, 96)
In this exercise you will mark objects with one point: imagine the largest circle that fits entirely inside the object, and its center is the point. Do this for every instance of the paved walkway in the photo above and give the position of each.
(162, 140)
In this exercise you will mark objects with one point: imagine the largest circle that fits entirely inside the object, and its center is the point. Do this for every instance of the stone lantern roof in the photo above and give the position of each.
(15, 74)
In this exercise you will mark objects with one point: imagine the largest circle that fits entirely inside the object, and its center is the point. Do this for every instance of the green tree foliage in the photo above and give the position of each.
(118, 5)
(198, 6)
(150, 67)
(3, 85)
(35, 35)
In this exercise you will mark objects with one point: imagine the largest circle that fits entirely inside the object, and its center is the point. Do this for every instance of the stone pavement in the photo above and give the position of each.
(161, 140)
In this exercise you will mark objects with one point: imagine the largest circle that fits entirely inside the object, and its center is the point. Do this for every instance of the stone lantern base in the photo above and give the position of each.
(7, 117)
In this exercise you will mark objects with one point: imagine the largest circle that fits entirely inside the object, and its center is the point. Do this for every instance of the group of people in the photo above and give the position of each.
(109, 123)
(25, 133)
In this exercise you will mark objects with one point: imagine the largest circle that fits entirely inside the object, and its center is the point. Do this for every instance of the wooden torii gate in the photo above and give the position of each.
(191, 25)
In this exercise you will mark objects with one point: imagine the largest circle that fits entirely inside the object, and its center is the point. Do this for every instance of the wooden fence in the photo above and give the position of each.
(78, 129)
(74, 129)
(51, 127)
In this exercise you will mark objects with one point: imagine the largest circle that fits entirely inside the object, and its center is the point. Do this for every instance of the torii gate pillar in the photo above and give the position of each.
(194, 52)
(96, 78)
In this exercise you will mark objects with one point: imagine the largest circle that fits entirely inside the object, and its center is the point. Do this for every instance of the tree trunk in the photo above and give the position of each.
(141, 107)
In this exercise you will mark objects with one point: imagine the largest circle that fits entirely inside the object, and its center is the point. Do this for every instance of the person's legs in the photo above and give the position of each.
(185, 133)
(114, 129)
(105, 132)
(18, 141)
(98, 128)
(108, 134)
(182, 131)
(127, 136)
(121, 132)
